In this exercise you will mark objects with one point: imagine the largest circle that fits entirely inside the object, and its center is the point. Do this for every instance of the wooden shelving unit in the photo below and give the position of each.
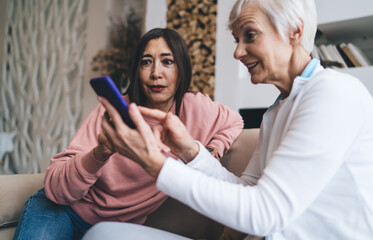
(349, 21)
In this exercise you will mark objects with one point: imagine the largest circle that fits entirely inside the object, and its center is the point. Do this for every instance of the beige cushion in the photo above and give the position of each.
(15, 190)
(7, 233)
(238, 156)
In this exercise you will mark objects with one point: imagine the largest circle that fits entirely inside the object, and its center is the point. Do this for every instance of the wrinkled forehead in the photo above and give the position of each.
(251, 13)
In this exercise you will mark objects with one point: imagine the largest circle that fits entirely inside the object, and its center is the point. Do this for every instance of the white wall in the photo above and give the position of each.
(347, 9)
(226, 68)
(155, 15)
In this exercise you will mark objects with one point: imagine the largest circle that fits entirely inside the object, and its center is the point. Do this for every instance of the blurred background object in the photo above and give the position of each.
(115, 60)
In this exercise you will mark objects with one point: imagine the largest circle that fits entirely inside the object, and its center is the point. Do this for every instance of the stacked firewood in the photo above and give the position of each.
(195, 20)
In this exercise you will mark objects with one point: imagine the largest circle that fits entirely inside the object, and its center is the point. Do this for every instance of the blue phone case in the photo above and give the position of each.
(105, 87)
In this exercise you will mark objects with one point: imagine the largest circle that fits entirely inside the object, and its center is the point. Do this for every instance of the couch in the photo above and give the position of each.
(172, 216)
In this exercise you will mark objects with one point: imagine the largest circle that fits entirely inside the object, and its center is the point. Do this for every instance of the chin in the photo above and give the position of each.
(259, 78)
(255, 80)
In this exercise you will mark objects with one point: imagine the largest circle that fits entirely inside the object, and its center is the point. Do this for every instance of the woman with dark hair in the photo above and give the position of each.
(90, 182)
(181, 58)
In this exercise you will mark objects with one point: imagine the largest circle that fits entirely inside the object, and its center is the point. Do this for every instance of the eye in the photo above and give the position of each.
(145, 62)
(236, 40)
(167, 61)
(250, 36)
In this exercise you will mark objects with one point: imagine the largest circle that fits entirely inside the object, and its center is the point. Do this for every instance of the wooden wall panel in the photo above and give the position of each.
(195, 20)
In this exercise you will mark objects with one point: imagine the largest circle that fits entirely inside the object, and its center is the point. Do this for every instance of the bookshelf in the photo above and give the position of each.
(344, 21)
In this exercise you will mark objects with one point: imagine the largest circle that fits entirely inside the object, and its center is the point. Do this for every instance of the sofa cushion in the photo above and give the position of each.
(7, 233)
(15, 190)
(239, 155)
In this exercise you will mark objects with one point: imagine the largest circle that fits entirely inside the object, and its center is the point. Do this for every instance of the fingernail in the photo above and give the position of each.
(165, 150)
(133, 105)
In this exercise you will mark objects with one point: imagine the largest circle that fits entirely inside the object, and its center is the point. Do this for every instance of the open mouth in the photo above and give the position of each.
(252, 65)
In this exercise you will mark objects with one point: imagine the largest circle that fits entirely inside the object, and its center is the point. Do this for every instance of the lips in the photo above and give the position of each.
(251, 65)
(157, 88)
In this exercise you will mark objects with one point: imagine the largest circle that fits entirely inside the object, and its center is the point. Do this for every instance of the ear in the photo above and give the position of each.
(296, 34)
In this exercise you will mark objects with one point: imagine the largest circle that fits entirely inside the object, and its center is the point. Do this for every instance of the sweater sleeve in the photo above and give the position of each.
(72, 172)
(206, 163)
(209, 122)
(322, 132)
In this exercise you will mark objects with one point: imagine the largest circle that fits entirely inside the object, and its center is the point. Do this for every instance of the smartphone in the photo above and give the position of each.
(105, 87)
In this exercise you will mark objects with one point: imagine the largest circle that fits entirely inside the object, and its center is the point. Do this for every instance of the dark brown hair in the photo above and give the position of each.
(181, 57)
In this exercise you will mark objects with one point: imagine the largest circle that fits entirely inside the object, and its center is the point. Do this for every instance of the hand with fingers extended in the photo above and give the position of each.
(138, 144)
(172, 133)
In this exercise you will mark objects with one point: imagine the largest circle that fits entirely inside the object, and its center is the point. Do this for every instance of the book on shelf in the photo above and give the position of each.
(359, 54)
(350, 55)
(327, 56)
(335, 55)
(343, 55)
(324, 53)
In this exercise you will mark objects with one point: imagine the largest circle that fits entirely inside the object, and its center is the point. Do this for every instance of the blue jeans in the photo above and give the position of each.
(43, 219)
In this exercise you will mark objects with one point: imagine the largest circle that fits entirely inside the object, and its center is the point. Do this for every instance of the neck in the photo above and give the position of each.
(297, 64)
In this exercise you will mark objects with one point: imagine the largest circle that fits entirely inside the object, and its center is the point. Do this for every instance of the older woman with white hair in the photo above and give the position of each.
(311, 175)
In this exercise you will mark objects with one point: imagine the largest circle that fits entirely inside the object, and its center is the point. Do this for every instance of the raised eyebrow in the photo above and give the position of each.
(247, 23)
(147, 55)
(166, 54)
(162, 55)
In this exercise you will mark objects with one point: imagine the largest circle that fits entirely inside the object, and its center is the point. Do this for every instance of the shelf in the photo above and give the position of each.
(348, 29)
(329, 11)
(344, 21)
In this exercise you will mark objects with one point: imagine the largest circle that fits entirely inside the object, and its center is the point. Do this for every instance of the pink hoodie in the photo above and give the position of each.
(120, 189)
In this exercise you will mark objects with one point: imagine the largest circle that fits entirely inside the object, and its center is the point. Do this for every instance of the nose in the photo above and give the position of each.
(156, 71)
(240, 51)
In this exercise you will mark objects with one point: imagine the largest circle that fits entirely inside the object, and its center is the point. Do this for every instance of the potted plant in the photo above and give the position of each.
(115, 60)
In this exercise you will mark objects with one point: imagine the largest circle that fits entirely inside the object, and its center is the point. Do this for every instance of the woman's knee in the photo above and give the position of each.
(123, 231)
(41, 215)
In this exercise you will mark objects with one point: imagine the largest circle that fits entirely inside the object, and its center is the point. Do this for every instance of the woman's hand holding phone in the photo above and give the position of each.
(143, 145)
(138, 144)
(105, 87)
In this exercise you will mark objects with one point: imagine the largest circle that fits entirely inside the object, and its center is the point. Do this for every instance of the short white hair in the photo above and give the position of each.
(285, 15)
